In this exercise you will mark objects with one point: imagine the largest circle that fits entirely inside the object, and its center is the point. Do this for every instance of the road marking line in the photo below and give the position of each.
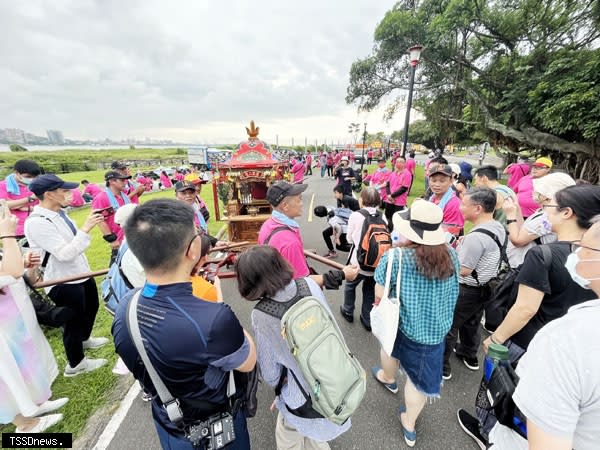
(310, 213)
(115, 422)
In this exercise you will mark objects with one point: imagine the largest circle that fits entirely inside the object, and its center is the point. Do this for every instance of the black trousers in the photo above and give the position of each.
(465, 325)
(82, 298)
(329, 171)
(344, 245)
(390, 209)
(308, 170)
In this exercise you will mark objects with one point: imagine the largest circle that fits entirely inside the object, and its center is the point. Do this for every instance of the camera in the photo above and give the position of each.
(212, 434)
(106, 212)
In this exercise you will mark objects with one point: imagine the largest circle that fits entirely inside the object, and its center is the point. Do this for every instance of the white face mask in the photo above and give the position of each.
(571, 266)
(26, 181)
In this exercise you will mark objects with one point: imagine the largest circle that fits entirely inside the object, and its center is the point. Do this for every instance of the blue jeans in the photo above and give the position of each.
(169, 441)
(368, 292)
(323, 169)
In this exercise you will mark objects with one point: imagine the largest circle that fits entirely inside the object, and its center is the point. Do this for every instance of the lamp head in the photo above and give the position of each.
(415, 54)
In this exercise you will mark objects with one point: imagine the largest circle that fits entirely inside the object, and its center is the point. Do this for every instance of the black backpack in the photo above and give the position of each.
(504, 293)
(375, 240)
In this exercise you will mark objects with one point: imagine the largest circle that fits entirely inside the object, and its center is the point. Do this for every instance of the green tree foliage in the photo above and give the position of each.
(17, 148)
(521, 73)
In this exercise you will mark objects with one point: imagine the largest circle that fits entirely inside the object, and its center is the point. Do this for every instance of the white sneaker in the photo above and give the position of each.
(120, 368)
(94, 342)
(44, 423)
(50, 405)
(86, 365)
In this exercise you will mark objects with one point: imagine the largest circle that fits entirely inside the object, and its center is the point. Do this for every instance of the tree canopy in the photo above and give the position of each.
(521, 73)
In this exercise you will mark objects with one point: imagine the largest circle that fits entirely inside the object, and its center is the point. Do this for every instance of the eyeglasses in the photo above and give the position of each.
(191, 241)
(575, 246)
(539, 168)
(550, 206)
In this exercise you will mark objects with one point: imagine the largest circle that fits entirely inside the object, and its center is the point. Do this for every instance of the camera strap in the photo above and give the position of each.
(170, 404)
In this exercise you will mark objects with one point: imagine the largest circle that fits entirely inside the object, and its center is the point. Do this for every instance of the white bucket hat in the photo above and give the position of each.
(421, 223)
(123, 213)
(550, 184)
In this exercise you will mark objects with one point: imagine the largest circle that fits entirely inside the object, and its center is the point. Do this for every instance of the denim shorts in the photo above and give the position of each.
(422, 363)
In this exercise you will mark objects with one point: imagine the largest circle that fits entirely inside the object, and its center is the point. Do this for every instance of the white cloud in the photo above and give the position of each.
(186, 70)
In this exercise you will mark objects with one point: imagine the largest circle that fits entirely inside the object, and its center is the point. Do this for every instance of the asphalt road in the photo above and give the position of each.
(375, 425)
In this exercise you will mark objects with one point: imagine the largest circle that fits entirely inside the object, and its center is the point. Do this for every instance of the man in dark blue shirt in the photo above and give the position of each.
(191, 343)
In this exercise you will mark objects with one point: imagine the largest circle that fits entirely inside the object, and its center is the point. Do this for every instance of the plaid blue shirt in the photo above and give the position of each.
(426, 306)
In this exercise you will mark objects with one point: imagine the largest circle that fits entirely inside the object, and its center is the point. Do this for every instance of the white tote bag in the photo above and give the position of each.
(386, 315)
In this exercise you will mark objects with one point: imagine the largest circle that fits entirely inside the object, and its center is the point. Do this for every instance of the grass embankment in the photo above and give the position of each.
(64, 161)
(91, 391)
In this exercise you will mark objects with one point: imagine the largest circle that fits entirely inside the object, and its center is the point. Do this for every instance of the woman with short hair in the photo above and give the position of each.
(428, 293)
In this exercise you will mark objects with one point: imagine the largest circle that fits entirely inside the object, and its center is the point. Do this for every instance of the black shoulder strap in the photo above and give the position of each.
(278, 309)
(547, 256)
(274, 232)
(502, 247)
(47, 254)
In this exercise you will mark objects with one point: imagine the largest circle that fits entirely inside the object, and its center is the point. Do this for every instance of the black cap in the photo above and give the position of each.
(184, 186)
(119, 165)
(282, 189)
(49, 182)
(443, 169)
(114, 174)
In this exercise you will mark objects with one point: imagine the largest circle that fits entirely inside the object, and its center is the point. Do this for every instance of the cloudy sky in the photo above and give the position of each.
(194, 71)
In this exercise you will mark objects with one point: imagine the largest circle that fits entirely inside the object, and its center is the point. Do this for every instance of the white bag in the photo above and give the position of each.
(386, 315)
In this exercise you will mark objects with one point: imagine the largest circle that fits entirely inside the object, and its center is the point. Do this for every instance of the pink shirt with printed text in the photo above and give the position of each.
(101, 201)
(453, 218)
(380, 177)
(398, 180)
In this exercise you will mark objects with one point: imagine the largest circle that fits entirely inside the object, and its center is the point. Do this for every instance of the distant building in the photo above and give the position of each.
(55, 137)
(15, 136)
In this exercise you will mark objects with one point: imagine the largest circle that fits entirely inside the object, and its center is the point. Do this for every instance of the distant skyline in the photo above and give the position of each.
(193, 71)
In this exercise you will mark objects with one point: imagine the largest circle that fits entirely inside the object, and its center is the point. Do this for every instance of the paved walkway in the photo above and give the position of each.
(375, 425)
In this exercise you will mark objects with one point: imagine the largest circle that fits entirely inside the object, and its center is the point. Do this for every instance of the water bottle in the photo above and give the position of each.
(395, 238)
(496, 354)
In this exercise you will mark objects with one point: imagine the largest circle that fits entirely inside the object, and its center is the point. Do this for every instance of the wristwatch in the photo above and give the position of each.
(509, 221)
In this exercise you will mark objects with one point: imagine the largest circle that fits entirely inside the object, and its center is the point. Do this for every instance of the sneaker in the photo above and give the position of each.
(447, 374)
(93, 342)
(86, 365)
(44, 423)
(49, 406)
(331, 254)
(471, 363)
(392, 387)
(349, 317)
(410, 437)
(146, 396)
(470, 425)
(120, 368)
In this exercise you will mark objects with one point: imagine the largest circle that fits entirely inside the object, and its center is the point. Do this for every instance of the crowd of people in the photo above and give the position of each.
(541, 231)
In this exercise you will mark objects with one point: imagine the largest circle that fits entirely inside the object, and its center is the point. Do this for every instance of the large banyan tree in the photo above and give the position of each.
(524, 74)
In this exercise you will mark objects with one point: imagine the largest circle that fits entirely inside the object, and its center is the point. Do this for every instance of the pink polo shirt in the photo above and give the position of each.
(288, 243)
(411, 165)
(77, 199)
(298, 171)
(131, 187)
(92, 189)
(23, 212)
(398, 180)
(380, 177)
(166, 182)
(101, 201)
(524, 191)
(453, 220)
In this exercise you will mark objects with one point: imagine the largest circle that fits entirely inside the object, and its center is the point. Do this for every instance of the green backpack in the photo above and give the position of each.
(336, 378)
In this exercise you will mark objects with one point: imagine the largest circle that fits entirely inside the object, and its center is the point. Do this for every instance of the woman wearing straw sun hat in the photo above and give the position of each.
(428, 293)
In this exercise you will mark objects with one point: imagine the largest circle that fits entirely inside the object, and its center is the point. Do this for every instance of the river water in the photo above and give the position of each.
(50, 148)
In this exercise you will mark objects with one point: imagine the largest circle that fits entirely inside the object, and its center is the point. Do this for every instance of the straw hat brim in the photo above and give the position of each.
(411, 230)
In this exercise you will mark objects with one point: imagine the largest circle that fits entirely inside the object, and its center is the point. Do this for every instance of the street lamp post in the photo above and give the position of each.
(415, 54)
(362, 161)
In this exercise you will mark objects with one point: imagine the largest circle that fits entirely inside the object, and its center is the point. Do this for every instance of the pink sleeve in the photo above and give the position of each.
(3, 191)
(452, 213)
(100, 202)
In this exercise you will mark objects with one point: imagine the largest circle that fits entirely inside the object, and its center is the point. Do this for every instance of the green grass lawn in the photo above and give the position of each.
(89, 392)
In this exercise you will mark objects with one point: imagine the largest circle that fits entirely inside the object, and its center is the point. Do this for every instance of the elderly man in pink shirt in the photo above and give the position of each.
(440, 183)
(14, 189)
(399, 183)
(379, 179)
(282, 232)
(524, 190)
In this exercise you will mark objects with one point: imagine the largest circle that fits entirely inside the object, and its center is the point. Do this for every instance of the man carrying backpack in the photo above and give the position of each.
(480, 254)
(362, 225)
